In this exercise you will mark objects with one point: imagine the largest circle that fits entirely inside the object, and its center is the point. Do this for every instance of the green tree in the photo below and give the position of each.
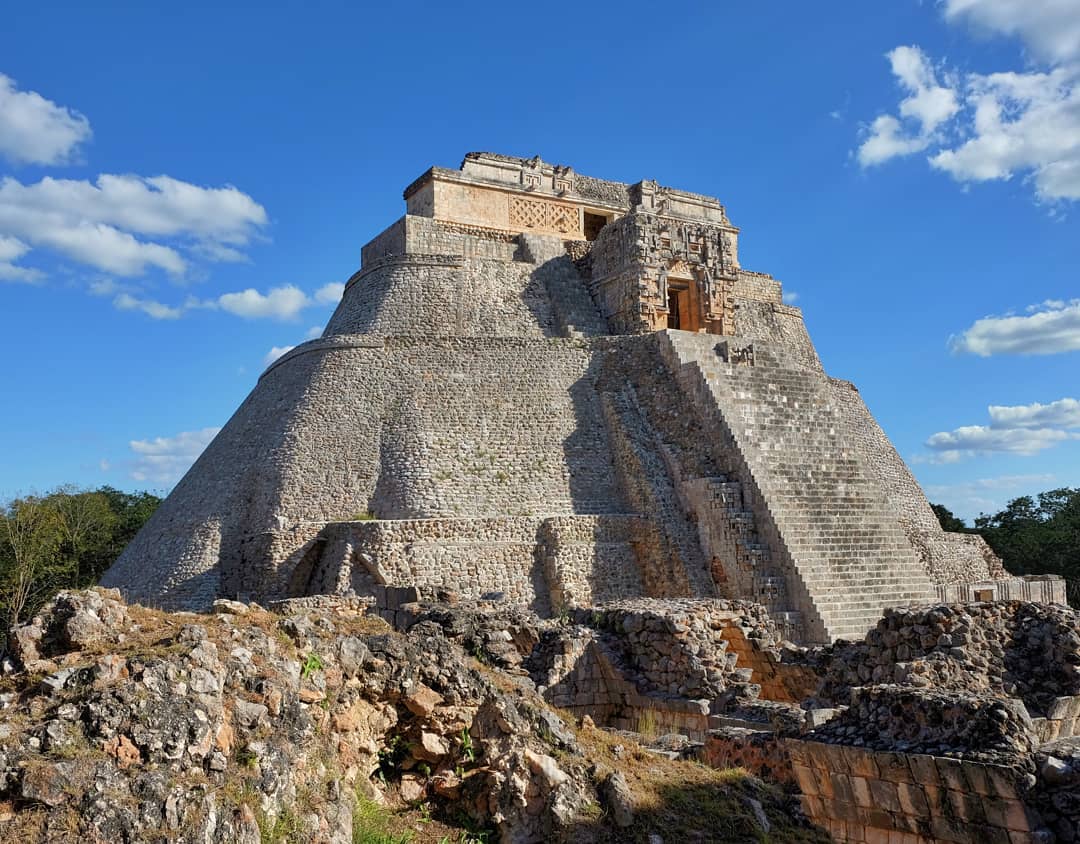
(1038, 535)
(63, 539)
(948, 520)
(87, 524)
(30, 540)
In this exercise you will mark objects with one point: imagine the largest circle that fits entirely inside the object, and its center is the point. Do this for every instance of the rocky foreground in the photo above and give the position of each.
(319, 723)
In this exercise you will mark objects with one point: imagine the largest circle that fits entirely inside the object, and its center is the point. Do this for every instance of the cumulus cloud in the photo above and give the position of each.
(1063, 413)
(983, 127)
(927, 106)
(1024, 123)
(113, 223)
(276, 352)
(314, 332)
(972, 440)
(1049, 328)
(1049, 28)
(281, 303)
(164, 460)
(11, 249)
(1024, 429)
(330, 294)
(34, 130)
(790, 297)
(127, 302)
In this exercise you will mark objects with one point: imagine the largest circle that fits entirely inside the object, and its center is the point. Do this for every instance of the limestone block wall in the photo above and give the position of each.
(413, 235)
(592, 559)
(576, 671)
(441, 295)
(760, 287)
(540, 562)
(865, 796)
(396, 427)
(1062, 719)
(778, 326)
(948, 558)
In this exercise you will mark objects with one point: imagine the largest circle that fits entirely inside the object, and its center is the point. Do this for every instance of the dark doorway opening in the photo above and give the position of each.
(593, 224)
(674, 316)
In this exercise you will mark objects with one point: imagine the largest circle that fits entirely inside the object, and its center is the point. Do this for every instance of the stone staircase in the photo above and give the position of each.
(572, 305)
(679, 568)
(739, 555)
(842, 554)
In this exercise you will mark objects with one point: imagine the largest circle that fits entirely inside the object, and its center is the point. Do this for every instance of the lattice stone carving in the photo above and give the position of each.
(532, 213)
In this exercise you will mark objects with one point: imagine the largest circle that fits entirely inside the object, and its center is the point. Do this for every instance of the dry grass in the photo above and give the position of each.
(688, 802)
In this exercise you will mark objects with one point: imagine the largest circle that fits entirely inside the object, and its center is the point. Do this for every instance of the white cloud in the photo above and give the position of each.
(276, 352)
(164, 460)
(1063, 413)
(314, 332)
(34, 130)
(971, 440)
(1050, 28)
(1050, 328)
(280, 303)
(11, 249)
(127, 302)
(112, 224)
(1000, 125)
(1023, 123)
(928, 101)
(927, 106)
(790, 297)
(329, 294)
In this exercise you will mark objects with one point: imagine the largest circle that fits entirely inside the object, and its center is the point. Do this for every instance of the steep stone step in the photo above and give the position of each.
(836, 534)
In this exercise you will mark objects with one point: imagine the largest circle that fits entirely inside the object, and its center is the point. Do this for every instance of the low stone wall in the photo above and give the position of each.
(1056, 795)
(525, 558)
(875, 797)
(678, 648)
(760, 751)
(1062, 719)
(576, 671)
(915, 720)
(1042, 588)
(1008, 649)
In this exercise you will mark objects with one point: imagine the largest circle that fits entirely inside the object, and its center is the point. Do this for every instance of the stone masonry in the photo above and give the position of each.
(567, 390)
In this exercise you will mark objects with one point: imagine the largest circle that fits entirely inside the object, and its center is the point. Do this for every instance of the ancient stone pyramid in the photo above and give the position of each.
(569, 391)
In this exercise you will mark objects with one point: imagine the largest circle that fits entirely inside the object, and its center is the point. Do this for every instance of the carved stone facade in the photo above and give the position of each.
(663, 258)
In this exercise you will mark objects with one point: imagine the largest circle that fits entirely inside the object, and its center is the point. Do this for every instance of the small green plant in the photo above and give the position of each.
(286, 827)
(364, 516)
(246, 757)
(391, 757)
(312, 663)
(477, 653)
(371, 825)
(467, 748)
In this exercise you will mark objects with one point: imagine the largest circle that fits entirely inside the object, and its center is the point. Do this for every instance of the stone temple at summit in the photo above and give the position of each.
(569, 391)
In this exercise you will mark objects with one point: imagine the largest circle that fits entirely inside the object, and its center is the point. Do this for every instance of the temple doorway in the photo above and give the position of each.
(681, 307)
(592, 225)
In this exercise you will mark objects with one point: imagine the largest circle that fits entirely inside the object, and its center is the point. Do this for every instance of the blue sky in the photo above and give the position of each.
(184, 190)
